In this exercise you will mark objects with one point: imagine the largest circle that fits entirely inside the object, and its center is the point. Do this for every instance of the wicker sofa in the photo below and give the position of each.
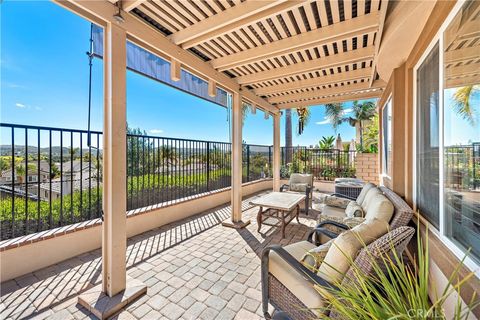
(295, 289)
(333, 220)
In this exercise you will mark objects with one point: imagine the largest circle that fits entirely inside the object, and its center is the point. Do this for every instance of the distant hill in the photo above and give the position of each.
(19, 150)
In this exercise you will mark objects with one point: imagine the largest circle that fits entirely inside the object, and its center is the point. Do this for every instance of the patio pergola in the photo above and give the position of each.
(272, 55)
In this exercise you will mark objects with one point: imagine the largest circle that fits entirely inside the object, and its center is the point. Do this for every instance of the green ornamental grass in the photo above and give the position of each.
(400, 293)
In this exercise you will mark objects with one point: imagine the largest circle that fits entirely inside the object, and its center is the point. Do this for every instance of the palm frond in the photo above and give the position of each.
(334, 113)
(462, 103)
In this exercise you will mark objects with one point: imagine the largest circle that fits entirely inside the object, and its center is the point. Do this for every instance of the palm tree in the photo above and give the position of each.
(462, 102)
(361, 112)
(326, 143)
(168, 154)
(288, 135)
(334, 113)
(303, 119)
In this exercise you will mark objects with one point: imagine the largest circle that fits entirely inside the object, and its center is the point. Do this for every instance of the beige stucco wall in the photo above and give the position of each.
(366, 166)
(31, 257)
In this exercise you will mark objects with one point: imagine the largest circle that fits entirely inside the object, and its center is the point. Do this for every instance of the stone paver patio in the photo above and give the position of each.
(194, 269)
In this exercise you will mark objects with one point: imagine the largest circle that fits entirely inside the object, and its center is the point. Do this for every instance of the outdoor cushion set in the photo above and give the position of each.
(300, 183)
(361, 230)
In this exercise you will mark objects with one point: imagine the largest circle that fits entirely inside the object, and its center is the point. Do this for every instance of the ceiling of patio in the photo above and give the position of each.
(291, 53)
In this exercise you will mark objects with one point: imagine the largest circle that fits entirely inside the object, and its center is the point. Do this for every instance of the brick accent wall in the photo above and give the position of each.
(366, 165)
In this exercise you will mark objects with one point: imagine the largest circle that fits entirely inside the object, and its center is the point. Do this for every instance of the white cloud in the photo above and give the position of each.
(347, 110)
(326, 121)
(156, 131)
(20, 105)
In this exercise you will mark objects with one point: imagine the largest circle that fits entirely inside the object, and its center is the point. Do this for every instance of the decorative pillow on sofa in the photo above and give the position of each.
(337, 202)
(353, 209)
(313, 258)
(298, 187)
(346, 246)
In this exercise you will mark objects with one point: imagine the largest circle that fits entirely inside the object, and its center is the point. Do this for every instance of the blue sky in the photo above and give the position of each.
(44, 78)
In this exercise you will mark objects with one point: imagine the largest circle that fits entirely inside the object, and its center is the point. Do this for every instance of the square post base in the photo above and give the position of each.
(235, 225)
(103, 306)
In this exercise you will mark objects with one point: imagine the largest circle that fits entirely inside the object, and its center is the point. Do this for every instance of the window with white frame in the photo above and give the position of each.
(387, 138)
(448, 132)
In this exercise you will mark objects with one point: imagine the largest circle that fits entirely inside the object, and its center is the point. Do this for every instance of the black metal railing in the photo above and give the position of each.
(462, 166)
(49, 178)
(161, 170)
(323, 164)
(257, 162)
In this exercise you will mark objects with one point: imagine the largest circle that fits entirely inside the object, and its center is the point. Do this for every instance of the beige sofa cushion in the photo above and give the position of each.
(332, 211)
(346, 247)
(291, 279)
(363, 193)
(380, 208)
(368, 197)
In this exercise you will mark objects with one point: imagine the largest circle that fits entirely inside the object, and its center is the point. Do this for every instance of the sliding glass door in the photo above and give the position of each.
(427, 135)
(448, 132)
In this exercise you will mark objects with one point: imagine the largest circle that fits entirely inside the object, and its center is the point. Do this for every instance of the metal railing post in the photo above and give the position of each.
(248, 163)
(270, 160)
(208, 166)
(305, 161)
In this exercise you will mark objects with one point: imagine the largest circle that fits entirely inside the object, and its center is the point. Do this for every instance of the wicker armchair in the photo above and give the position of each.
(300, 183)
(331, 226)
(278, 295)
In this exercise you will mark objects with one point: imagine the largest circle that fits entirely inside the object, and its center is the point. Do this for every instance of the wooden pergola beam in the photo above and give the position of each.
(150, 39)
(463, 54)
(331, 99)
(325, 92)
(462, 71)
(129, 5)
(311, 65)
(241, 15)
(318, 37)
(314, 82)
(381, 23)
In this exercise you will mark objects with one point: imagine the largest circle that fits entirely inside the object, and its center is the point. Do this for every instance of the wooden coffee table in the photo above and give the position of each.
(281, 208)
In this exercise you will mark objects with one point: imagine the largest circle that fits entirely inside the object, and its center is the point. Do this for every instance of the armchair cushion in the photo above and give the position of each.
(336, 202)
(298, 187)
(301, 178)
(291, 279)
(368, 198)
(363, 193)
(353, 209)
(380, 208)
(346, 246)
(332, 211)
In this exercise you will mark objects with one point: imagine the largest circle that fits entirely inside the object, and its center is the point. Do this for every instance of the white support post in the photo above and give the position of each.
(118, 289)
(236, 204)
(276, 152)
(114, 239)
